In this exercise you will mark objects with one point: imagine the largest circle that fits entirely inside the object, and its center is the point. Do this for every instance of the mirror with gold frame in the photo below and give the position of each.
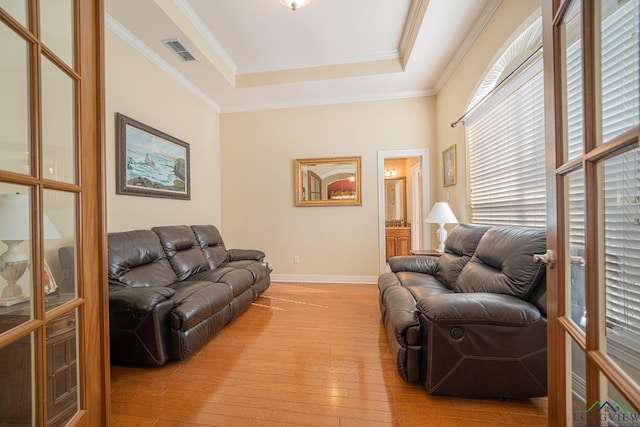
(328, 181)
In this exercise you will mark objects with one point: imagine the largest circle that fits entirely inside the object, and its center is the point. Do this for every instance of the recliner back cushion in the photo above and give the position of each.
(211, 244)
(136, 259)
(459, 247)
(503, 262)
(182, 250)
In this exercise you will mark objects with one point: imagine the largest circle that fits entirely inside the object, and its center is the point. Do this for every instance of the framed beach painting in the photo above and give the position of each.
(149, 162)
(449, 165)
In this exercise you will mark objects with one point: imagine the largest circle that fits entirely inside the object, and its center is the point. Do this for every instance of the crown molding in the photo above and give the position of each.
(466, 44)
(118, 29)
(326, 101)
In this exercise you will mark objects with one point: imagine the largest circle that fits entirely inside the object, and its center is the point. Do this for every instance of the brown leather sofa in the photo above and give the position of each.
(172, 288)
(473, 321)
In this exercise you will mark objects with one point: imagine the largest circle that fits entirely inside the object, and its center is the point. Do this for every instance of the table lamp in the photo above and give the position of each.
(15, 228)
(441, 214)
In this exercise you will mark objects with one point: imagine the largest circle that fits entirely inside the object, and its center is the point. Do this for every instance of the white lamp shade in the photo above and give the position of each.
(441, 214)
(15, 219)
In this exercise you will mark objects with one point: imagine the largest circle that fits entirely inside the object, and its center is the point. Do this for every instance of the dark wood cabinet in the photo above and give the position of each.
(61, 367)
(398, 241)
(62, 381)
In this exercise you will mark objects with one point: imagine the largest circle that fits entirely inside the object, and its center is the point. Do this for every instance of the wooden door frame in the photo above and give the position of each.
(560, 327)
(91, 303)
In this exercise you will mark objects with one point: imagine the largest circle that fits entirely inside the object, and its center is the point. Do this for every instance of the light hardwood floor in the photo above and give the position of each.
(303, 354)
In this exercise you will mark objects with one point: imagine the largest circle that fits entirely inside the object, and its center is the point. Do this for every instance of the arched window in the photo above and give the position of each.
(505, 135)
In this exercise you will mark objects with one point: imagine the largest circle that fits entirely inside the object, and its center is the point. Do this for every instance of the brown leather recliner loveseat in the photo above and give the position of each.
(172, 288)
(473, 321)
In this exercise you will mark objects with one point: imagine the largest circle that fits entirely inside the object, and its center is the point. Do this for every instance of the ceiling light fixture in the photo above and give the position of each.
(294, 4)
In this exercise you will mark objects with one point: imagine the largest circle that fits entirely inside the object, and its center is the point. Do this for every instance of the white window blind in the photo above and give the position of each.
(506, 158)
(621, 174)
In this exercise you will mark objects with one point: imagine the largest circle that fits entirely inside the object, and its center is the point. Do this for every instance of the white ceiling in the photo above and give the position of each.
(257, 54)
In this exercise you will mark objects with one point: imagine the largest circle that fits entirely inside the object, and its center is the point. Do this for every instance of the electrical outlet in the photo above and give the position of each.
(296, 259)
(65, 274)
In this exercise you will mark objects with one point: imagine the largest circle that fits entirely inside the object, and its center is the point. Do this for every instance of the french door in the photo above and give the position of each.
(53, 342)
(592, 73)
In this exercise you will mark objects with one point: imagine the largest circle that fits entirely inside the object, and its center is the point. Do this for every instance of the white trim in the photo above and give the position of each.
(423, 153)
(316, 278)
(327, 101)
(466, 44)
(201, 27)
(416, 209)
(112, 24)
(334, 61)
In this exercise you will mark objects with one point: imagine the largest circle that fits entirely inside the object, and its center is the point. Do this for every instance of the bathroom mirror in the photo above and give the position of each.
(329, 181)
(395, 202)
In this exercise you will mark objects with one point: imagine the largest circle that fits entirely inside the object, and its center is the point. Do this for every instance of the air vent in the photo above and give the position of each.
(178, 48)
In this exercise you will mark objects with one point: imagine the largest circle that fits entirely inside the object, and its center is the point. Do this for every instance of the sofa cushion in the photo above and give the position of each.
(182, 250)
(503, 262)
(259, 270)
(238, 280)
(196, 301)
(459, 248)
(136, 259)
(211, 244)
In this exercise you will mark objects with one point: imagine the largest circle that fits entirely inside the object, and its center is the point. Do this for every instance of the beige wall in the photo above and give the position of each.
(453, 98)
(258, 209)
(249, 193)
(138, 89)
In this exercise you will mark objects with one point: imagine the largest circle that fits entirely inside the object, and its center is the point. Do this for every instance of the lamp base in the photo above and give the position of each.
(441, 234)
(7, 302)
(13, 264)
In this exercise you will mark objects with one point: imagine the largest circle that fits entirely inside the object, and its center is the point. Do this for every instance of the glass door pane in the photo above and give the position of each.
(576, 256)
(16, 381)
(57, 29)
(58, 124)
(621, 224)
(14, 103)
(17, 9)
(620, 62)
(573, 96)
(60, 245)
(16, 247)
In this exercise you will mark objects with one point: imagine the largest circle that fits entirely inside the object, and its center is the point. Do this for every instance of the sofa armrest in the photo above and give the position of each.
(416, 264)
(478, 308)
(138, 301)
(245, 254)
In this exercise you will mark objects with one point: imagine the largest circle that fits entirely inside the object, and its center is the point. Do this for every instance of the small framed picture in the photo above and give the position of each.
(50, 285)
(449, 165)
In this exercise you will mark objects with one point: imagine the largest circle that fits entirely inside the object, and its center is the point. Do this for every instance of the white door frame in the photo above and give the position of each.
(423, 153)
(416, 207)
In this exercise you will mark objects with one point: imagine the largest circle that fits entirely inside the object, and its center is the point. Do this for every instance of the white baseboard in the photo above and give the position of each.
(316, 278)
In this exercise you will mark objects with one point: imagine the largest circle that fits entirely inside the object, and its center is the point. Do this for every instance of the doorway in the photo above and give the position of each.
(410, 167)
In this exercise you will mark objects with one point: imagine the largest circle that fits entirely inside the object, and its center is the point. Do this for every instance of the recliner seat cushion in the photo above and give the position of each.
(237, 280)
(503, 262)
(197, 301)
(259, 270)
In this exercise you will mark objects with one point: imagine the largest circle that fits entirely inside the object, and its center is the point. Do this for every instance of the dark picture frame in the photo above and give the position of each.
(149, 162)
(449, 166)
